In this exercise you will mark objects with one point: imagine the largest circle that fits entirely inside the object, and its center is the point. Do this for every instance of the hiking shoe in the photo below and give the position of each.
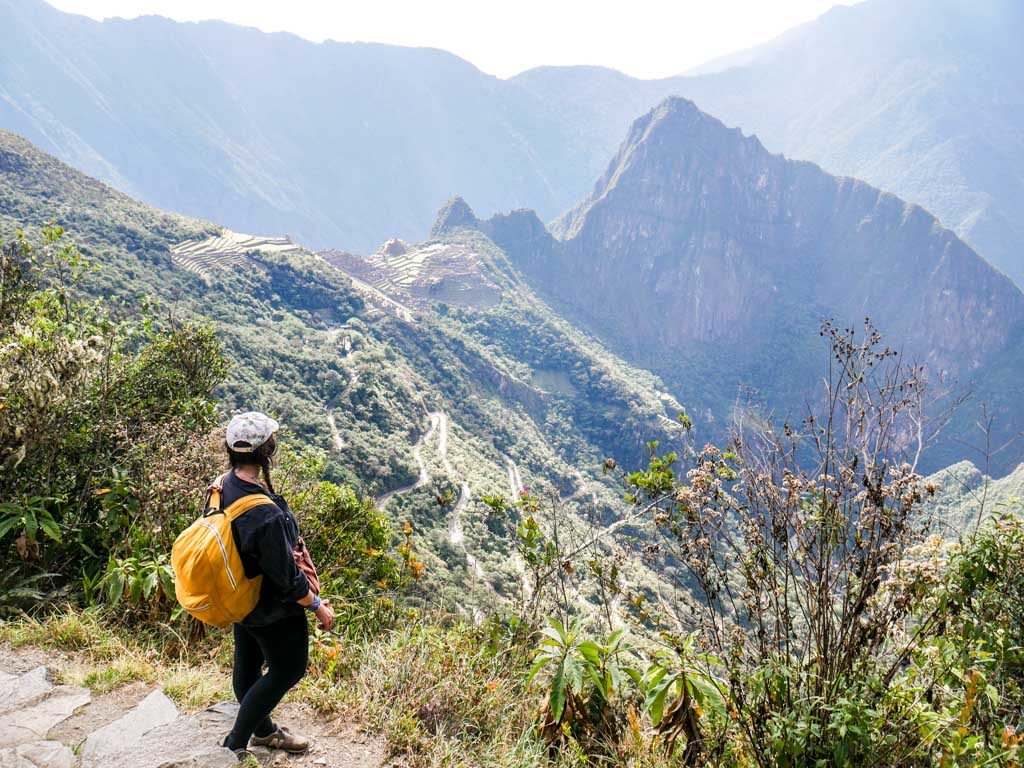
(284, 739)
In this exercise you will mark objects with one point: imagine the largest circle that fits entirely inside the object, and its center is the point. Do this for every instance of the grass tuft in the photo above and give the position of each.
(195, 688)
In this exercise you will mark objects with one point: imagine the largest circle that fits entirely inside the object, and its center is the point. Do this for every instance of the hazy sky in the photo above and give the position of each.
(646, 38)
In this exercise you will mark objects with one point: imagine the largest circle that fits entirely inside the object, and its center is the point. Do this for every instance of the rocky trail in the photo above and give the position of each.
(44, 724)
(515, 480)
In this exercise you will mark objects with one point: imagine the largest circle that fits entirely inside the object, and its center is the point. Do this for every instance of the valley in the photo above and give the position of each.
(618, 437)
(376, 380)
(703, 257)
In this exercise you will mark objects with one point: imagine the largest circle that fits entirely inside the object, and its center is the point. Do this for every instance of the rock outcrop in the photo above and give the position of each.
(455, 213)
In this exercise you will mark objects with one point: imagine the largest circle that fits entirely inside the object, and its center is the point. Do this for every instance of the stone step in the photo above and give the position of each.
(154, 735)
(152, 712)
(30, 705)
(37, 754)
(18, 690)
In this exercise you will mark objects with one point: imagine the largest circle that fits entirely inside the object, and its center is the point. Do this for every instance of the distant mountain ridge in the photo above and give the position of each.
(347, 145)
(709, 260)
(921, 98)
(335, 144)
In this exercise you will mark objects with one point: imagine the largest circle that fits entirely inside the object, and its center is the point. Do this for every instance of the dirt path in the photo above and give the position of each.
(337, 444)
(515, 480)
(455, 536)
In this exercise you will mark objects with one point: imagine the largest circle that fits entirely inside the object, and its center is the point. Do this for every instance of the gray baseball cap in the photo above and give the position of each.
(248, 431)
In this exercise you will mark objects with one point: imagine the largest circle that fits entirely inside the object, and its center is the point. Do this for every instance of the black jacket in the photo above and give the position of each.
(266, 536)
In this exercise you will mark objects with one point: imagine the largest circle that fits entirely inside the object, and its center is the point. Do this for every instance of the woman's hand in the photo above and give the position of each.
(325, 615)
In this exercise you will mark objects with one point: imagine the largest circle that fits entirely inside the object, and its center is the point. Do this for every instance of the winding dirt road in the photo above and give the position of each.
(436, 418)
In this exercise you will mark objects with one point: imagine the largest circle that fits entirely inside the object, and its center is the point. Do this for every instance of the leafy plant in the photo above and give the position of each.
(586, 681)
(103, 423)
(147, 581)
(30, 516)
(19, 590)
(678, 690)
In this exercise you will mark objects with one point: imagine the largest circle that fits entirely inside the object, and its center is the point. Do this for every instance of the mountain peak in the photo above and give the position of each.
(696, 235)
(679, 115)
(671, 143)
(454, 214)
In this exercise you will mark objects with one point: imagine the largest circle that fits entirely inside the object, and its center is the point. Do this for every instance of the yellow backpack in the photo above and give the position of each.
(209, 579)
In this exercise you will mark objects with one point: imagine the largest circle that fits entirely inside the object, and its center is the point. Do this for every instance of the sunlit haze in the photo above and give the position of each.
(645, 38)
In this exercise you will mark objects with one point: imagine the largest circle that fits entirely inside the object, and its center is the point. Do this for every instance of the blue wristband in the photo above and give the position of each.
(315, 605)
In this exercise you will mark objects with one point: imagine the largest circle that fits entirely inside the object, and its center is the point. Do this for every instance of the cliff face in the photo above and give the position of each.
(697, 234)
(707, 259)
(921, 98)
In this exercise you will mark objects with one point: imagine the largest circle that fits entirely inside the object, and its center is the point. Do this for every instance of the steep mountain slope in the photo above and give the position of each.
(472, 397)
(921, 98)
(707, 259)
(333, 143)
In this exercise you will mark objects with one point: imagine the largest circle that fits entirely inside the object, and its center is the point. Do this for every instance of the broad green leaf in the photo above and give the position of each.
(557, 696)
(591, 652)
(50, 528)
(149, 585)
(135, 590)
(167, 581)
(616, 637)
(7, 525)
(574, 674)
(706, 693)
(655, 676)
(655, 704)
(31, 527)
(537, 667)
(553, 634)
(115, 589)
(557, 626)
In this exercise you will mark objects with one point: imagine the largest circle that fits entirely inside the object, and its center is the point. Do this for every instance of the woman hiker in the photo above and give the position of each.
(275, 633)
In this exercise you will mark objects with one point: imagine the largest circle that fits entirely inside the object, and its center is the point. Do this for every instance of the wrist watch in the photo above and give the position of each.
(315, 605)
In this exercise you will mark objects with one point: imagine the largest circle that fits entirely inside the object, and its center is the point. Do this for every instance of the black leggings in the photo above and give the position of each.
(284, 646)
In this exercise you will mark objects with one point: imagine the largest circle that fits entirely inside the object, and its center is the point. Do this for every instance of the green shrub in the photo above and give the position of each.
(103, 428)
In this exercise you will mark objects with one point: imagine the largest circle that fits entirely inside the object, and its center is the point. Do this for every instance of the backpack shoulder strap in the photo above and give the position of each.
(246, 503)
(213, 492)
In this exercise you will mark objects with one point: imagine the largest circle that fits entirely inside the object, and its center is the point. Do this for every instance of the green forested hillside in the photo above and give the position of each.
(303, 345)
